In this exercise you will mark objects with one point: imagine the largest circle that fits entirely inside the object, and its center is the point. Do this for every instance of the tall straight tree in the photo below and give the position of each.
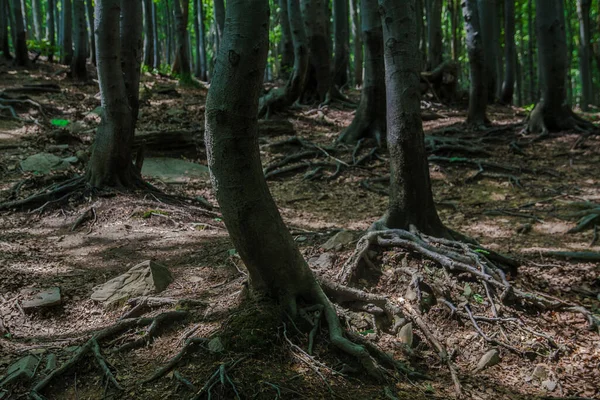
(19, 34)
(157, 49)
(90, 22)
(38, 18)
(201, 70)
(51, 28)
(487, 24)
(78, 68)
(181, 66)
(4, 20)
(358, 44)
(119, 46)
(276, 268)
(510, 53)
(341, 28)
(370, 117)
(434, 33)
(316, 21)
(148, 35)
(478, 86)
(583, 13)
(286, 43)
(411, 200)
(66, 30)
(219, 13)
(552, 113)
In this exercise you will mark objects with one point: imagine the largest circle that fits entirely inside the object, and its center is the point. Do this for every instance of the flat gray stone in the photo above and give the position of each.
(173, 170)
(40, 297)
(339, 240)
(324, 261)
(215, 345)
(43, 163)
(22, 370)
(144, 279)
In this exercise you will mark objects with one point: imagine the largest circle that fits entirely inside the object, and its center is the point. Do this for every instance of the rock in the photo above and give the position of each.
(549, 385)
(43, 163)
(22, 370)
(540, 372)
(37, 297)
(215, 345)
(324, 261)
(489, 359)
(71, 160)
(173, 170)
(57, 147)
(143, 279)
(406, 335)
(339, 240)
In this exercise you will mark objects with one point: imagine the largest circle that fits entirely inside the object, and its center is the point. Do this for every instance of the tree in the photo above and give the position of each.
(181, 66)
(411, 200)
(20, 34)
(510, 52)
(36, 8)
(478, 86)
(276, 267)
(286, 42)
(315, 14)
(157, 58)
(118, 43)
(341, 30)
(90, 22)
(4, 19)
(357, 41)
(370, 117)
(66, 32)
(201, 71)
(51, 28)
(583, 13)
(219, 13)
(552, 113)
(148, 35)
(434, 33)
(78, 69)
(487, 29)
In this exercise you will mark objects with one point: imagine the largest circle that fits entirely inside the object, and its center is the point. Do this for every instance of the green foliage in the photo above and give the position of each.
(59, 122)
(42, 46)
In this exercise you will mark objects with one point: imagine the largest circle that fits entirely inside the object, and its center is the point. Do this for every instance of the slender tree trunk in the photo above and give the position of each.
(38, 19)
(316, 21)
(358, 45)
(510, 52)
(26, 17)
(90, 24)
(119, 46)
(434, 34)
(583, 12)
(201, 70)
(4, 20)
(478, 85)
(67, 32)
(157, 50)
(78, 68)
(219, 12)
(341, 30)
(181, 65)
(148, 35)
(169, 32)
(370, 118)
(20, 35)
(570, 50)
(497, 42)
(411, 200)
(454, 9)
(250, 214)
(286, 42)
(530, 55)
(421, 30)
(487, 24)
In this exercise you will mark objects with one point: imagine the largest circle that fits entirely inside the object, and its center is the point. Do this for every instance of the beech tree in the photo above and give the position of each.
(66, 32)
(201, 70)
(286, 43)
(148, 34)
(315, 14)
(78, 68)
(181, 65)
(357, 41)
(19, 34)
(510, 63)
(478, 88)
(583, 12)
(487, 29)
(341, 28)
(4, 19)
(434, 33)
(51, 28)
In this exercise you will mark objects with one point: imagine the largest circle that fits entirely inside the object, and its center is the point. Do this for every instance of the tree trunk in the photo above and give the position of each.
(200, 71)
(275, 266)
(478, 85)
(282, 98)
(570, 50)
(315, 14)
(20, 35)
(530, 32)
(168, 32)
(510, 52)
(157, 59)
(148, 35)
(38, 19)
(119, 46)
(219, 12)
(454, 9)
(358, 45)
(434, 34)
(487, 25)
(181, 66)
(342, 47)
(26, 18)
(4, 19)
(90, 24)
(421, 34)
(286, 43)
(370, 117)
(78, 69)
(67, 32)
(411, 200)
(583, 13)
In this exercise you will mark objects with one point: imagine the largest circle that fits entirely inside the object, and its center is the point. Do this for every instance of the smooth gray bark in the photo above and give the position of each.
(455, 18)
(487, 26)
(78, 68)
(168, 18)
(90, 24)
(478, 86)
(411, 200)
(316, 21)
(357, 42)
(510, 53)
(157, 50)
(148, 35)
(530, 52)
(200, 71)
(19, 35)
(341, 28)
(181, 66)
(434, 34)
(370, 118)
(38, 19)
(286, 43)
(583, 13)
(67, 32)
(219, 15)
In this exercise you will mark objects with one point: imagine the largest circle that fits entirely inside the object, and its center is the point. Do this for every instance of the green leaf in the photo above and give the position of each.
(232, 252)
(468, 291)
(367, 332)
(482, 251)
(478, 298)
(59, 122)
(218, 220)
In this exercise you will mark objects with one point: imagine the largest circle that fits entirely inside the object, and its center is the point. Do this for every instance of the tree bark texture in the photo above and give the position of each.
(90, 24)
(19, 34)
(148, 35)
(66, 32)
(530, 52)
(78, 68)
(157, 47)
(341, 28)
(181, 65)
(315, 14)
(478, 85)
(510, 53)
(357, 43)
(487, 25)
(38, 19)
(434, 34)
(200, 71)
(286, 43)
(583, 13)
(219, 13)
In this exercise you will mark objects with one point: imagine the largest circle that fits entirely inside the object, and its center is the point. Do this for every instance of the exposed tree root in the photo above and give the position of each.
(543, 121)
(221, 375)
(188, 346)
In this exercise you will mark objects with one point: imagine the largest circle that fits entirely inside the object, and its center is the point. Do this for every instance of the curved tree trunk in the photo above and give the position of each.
(275, 265)
(341, 30)
(181, 65)
(67, 32)
(552, 112)
(315, 14)
(583, 12)
(510, 52)
(286, 42)
(148, 35)
(20, 35)
(478, 86)
(487, 26)
(370, 117)
(78, 69)
(434, 34)
(90, 22)
(411, 200)
(281, 98)
(119, 46)
(200, 70)
(358, 45)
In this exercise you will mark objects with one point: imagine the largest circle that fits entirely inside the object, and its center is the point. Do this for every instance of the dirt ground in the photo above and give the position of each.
(525, 212)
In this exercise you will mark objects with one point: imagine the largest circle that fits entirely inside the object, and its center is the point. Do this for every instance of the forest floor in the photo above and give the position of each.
(525, 209)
